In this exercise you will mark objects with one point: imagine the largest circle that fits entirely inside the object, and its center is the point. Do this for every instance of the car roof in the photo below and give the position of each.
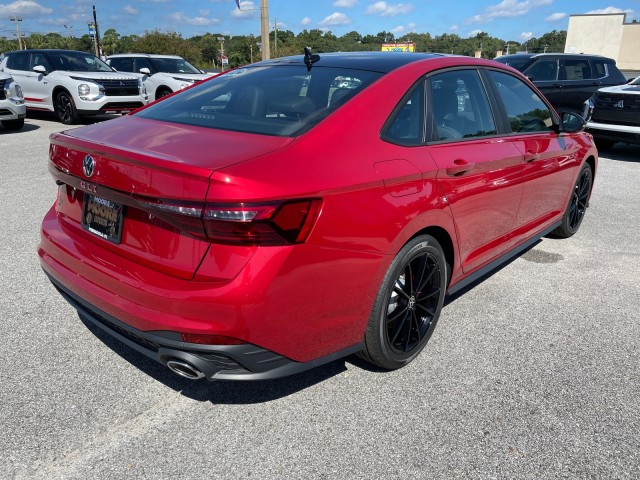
(373, 61)
(145, 55)
(49, 50)
(553, 54)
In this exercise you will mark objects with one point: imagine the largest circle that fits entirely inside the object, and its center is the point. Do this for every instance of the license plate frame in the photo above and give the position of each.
(102, 217)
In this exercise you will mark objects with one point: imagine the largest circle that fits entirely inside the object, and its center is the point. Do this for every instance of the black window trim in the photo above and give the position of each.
(394, 114)
(506, 126)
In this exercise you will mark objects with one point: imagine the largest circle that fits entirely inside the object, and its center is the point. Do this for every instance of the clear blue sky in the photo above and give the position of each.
(508, 19)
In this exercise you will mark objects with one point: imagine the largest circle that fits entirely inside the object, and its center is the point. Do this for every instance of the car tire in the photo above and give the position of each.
(65, 108)
(574, 214)
(163, 92)
(405, 313)
(13, 124)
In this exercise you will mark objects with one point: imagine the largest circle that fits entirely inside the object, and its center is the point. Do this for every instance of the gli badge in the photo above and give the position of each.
(88, 166)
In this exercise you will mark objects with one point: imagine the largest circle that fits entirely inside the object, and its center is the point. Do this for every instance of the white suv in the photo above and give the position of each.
(72, 83)
(12, 108)
(161, 74)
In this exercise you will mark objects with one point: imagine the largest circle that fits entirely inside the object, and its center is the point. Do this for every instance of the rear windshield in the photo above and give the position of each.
(272, 100)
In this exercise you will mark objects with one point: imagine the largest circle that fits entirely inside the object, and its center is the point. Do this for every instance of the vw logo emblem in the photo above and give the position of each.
(88, 166)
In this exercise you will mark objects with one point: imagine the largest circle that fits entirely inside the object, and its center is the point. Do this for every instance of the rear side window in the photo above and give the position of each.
(406, 125)
(598, 68)
(576, 70)
(459, 106)
(284, 100)
(525, 109)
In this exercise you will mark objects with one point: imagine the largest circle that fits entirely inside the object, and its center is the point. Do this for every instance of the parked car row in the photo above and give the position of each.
(591, 85)
(72, 84)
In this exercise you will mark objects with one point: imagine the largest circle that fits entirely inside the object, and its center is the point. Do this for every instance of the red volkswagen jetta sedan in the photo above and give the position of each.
(298, 210)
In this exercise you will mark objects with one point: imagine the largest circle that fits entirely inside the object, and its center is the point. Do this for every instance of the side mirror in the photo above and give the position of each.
(40, 69)
(145, 71)
(570, 123)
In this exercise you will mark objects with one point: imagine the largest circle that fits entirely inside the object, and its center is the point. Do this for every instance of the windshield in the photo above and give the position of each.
(282, 100)
(515, 62)
(635, 82)
(174, 65)
(77, 62)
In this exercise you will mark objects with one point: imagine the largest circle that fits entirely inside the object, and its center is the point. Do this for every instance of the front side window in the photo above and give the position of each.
(282, 100)
(459, 106)
(543, 71)
(19, 61)
(141, 62)
(122, 64)
(525, 109)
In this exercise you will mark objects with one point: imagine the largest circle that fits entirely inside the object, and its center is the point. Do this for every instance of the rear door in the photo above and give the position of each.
(479, 173)
(579, 84)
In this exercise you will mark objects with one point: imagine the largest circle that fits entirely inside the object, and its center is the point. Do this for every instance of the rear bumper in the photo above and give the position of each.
(216, 362)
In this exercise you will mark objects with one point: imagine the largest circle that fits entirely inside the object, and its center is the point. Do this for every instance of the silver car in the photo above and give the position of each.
(12, 108)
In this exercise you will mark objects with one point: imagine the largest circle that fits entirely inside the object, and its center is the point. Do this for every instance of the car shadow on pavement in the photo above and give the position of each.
(28, 127)
(84, 120)
(622, 153)
(221, 392)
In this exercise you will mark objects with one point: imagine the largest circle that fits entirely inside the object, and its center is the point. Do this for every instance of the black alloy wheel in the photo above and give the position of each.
(65, 109)
(408, 304)
(163, 92)
(573, 216)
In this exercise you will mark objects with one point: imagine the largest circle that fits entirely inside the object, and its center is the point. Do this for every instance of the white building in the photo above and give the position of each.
(605, 34)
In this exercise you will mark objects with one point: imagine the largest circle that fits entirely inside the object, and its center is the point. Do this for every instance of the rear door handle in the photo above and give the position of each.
(461, 167)
(531, 156)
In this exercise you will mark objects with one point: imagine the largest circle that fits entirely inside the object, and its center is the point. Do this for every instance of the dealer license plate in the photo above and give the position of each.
(102, 217)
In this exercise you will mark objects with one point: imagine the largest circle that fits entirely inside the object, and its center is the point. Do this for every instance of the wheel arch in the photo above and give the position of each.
(445, 241)
(162, 88)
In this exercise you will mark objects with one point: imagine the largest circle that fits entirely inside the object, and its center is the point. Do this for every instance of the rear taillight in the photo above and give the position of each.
(277, 223)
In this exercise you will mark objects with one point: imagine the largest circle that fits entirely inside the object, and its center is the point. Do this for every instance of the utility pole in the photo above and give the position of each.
(17, 20)
(221, 40)
(275, 37)
(264, 29)
(96, 38)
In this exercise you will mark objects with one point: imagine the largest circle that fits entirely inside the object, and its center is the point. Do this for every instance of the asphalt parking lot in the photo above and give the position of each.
(533, 373)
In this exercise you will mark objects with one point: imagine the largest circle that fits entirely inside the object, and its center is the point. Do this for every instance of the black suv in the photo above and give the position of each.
(567, 80)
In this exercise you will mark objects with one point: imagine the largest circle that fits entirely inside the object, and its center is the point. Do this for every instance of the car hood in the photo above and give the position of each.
(626, 89)
(154, 157)
(97, 75)
(187, 76)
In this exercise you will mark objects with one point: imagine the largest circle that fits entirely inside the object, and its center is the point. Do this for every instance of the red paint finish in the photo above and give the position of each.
(368, 197)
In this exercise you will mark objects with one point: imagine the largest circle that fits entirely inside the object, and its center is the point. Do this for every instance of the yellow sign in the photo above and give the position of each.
(398, 47)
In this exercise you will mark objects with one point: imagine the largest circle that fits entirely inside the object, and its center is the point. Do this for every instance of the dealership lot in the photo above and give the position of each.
(533, 373)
